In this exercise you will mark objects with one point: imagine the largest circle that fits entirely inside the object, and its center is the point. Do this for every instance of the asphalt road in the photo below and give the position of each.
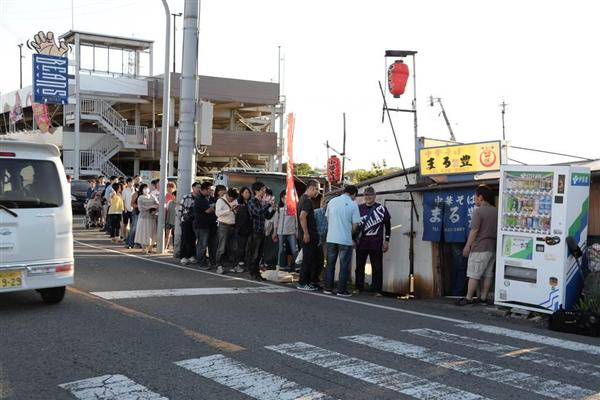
(124, 331)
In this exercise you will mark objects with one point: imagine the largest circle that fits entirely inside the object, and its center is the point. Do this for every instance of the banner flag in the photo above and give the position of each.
(291, 197)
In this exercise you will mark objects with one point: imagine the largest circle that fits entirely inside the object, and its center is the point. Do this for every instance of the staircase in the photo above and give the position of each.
(119, 135)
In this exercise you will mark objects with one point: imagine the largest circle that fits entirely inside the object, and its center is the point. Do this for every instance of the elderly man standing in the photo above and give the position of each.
(343, 219)
(375, 231)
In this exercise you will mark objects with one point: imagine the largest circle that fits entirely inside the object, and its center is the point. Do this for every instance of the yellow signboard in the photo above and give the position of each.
(460, 159)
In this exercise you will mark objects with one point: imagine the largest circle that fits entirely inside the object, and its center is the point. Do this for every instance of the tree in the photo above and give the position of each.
(377, 169)
(301, 169)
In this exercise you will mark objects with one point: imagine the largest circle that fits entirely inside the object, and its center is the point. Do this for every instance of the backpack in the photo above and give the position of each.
(243, 222)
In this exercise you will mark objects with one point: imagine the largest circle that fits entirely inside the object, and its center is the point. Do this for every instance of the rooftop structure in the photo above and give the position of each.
(121, 112)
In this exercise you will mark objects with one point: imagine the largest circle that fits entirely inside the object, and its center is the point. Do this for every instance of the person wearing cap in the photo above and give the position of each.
(373, 241)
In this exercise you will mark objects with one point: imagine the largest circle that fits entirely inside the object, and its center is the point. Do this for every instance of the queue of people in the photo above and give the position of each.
(126, 209)
(227, 229)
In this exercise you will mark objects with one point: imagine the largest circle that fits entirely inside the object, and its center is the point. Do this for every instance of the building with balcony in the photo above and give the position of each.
(121, 113)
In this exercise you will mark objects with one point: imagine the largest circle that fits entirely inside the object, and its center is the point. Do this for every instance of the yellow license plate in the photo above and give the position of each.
(10, 279)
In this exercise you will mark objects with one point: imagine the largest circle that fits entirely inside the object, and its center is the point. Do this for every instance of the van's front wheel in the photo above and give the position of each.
(52, 295)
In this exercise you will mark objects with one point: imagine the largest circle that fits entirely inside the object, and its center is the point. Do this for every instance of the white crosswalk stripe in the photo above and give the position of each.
(532, 337)
(384, 377)
(503, 350)
(110, 387)
(251, 381)
(520, 380)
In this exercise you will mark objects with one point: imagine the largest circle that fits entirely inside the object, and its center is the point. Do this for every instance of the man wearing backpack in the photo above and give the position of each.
(243, 228)
(186, 215)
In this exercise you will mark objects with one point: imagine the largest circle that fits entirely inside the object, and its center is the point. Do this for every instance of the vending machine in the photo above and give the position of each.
(541, 208)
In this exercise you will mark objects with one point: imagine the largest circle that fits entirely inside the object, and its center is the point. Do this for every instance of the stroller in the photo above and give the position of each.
(93, 212)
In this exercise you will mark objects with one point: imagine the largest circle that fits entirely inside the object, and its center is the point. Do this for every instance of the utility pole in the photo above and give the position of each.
(186, 164)
(503, 105)
(432, 101)
(175, 15)
(20, 45)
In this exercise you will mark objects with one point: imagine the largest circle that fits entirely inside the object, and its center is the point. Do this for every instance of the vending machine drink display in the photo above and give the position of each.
(540, 207)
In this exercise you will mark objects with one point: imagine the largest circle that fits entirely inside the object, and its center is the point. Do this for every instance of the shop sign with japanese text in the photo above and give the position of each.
(448, 213)
(460, 159)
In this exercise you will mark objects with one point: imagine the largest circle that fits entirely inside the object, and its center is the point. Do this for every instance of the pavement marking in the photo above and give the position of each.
(335, 298)
(462, 323)
(532, 337)
(110, 387)
(503, 350)
(197, 336)
(520, 380)
(251, 381)
(138, 294)
(379, 375)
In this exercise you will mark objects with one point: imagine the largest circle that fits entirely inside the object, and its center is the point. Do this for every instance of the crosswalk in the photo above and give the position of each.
(231, 373)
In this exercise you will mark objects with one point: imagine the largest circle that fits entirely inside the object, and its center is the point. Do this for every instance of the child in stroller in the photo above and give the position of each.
(93, 215)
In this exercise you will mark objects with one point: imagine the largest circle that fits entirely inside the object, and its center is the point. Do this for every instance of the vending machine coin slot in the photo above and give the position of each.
(539, 248)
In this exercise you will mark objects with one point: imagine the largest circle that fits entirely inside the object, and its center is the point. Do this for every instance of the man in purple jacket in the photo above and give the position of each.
(375, 231)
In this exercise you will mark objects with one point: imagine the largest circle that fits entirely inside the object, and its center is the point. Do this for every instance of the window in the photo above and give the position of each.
(29, 184)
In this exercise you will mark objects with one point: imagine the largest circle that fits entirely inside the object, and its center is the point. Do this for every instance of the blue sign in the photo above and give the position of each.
(50, 79)
(448, 212)
(580, 179)
(432, 217)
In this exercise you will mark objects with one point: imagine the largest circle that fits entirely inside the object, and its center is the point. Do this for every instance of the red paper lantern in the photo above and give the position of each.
(334, 169)
(397, 78)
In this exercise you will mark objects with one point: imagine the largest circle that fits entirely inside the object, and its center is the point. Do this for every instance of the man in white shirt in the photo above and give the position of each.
(343, 219)
(225, 210)
(127, 193)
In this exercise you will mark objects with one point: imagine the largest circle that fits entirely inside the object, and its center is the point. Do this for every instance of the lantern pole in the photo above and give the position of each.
(344, 149)
(414, 106)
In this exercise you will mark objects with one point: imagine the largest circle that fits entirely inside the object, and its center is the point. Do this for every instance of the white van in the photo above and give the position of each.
(36, 239)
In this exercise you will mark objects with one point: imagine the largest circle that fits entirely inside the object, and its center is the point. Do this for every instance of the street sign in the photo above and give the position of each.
(50, 79)
(460, 159)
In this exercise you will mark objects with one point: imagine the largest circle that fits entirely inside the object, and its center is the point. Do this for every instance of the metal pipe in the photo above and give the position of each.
(414, 105)
(76, 144)
(175, 15)
(344, 150)
(396, 141)
(164, 141)
(20, 45)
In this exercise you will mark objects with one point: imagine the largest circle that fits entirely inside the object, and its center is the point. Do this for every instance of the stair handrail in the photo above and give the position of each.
(114, 119)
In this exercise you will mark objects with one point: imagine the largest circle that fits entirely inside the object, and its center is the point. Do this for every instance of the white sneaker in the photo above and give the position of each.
(185, 261)
(220, 270)
(192, 260)
(239, 269)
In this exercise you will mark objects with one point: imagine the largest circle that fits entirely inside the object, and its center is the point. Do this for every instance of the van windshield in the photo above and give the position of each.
(29, 184)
